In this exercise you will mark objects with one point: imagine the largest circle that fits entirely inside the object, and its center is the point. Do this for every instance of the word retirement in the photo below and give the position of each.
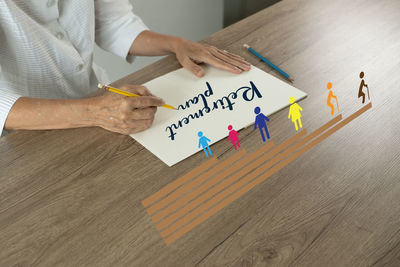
(248, 93)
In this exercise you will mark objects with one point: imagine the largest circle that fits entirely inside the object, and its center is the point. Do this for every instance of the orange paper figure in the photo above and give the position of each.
(330, 96)
(294, 112)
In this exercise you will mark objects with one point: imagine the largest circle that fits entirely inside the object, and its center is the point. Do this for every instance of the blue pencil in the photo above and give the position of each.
(268, 62)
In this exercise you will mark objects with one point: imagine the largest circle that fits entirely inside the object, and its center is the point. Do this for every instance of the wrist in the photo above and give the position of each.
(91, 110)
(174, 44)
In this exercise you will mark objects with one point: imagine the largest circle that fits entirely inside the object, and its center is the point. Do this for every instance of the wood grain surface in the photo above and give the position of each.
(73, 197)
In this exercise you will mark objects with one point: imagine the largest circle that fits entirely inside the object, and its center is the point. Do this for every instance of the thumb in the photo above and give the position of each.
(188, 64)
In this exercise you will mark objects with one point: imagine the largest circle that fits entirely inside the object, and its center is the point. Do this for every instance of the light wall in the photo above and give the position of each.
(191, 19)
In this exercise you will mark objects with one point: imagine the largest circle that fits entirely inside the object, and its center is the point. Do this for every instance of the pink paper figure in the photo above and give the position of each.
(233, 137)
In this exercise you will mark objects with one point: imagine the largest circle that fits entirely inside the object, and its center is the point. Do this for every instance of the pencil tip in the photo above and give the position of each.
(291, 80)
(100, 85)
(246, 46)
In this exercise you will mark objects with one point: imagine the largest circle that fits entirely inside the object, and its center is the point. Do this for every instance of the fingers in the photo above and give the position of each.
(188, 64)
(233, 55)
(127, 115)
(143, 113)
(221, 64)
(228, 61)
(136, 89)
(144, 102)
(190, 54)
(232, 59)
(141, 125)
(133, 122)
(138, 126)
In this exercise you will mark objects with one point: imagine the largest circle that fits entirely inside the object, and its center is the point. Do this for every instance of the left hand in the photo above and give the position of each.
(190, 54)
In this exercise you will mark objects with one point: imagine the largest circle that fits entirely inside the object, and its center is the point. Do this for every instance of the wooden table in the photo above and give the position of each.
(73, 197)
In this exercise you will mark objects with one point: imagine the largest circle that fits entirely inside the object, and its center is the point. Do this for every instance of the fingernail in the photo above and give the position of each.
(160, 99)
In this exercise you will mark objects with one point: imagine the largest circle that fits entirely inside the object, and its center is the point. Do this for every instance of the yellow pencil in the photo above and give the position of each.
(118, 91)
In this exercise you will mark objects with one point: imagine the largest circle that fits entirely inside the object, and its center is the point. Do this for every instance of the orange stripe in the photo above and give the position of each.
(199, 180)
(178, 182)
(181, 202)
(340, 125)
(263, 177)
(304, 141)
(223, 194)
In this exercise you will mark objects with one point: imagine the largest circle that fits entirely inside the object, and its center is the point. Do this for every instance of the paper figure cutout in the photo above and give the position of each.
(203, 141)
(260, 122)
(330, 96)
(294, 112)
(233, 137)
(362, 84)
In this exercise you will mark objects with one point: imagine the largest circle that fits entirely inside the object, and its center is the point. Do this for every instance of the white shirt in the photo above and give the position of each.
(46, 46)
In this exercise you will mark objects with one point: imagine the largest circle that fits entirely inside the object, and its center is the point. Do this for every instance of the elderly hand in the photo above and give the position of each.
(123, 114)
(190, 54)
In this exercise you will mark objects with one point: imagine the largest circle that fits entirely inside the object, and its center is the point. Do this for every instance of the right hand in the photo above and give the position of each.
(126, 115)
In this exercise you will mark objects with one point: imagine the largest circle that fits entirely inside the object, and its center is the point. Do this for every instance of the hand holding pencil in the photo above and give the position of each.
(125, 115)
(121, 92)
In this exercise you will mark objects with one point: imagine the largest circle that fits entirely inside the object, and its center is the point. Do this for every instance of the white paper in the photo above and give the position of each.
(179, 86)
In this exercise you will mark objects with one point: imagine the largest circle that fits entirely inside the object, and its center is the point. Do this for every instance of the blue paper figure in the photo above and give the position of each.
(260, 122)
(203, 141)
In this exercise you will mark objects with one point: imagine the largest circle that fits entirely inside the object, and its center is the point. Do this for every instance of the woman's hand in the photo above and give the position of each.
(190, 54)
(114, 112)
(123, 114)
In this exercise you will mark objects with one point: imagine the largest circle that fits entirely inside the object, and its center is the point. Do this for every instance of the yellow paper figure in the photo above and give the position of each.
(294, 112)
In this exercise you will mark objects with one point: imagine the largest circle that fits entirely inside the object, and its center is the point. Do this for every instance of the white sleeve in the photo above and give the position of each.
(117, 27)
(7, 100)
